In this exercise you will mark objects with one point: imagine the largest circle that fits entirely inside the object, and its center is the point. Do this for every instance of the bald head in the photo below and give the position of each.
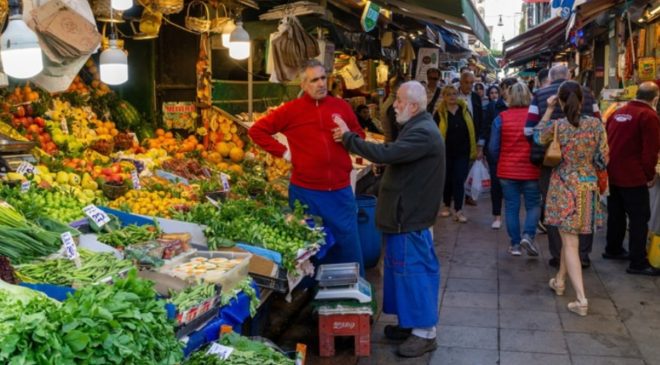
(648, 92)
(559, 72)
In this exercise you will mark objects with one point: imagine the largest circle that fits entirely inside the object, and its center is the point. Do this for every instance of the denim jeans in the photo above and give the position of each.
(530, 191)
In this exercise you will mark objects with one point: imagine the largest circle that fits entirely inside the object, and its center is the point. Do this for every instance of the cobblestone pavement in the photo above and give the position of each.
(497, 309)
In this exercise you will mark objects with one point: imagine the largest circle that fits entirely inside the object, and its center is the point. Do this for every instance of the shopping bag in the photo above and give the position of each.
(478, 180)
(654, 251)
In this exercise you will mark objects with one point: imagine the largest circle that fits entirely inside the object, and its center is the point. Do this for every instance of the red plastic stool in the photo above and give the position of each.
(356, 325)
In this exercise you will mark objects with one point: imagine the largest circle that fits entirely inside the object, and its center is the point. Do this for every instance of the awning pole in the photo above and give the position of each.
(250, 86)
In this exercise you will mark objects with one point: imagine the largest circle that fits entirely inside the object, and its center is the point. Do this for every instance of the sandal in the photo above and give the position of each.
(558, 289)
(578, 308)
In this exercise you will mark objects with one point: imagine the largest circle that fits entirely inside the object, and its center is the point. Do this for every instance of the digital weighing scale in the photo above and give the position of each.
(13, 152)
(342, 281)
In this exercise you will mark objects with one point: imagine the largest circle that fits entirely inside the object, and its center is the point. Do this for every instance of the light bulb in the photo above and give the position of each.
(226, 32)
(121, 5)
(114, 65)
(21, 54)
(239, 43)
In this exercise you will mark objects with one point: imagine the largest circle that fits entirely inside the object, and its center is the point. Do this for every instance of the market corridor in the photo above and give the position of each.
(497, 309)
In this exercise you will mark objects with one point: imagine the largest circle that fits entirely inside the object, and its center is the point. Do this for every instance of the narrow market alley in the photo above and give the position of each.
(497, 309)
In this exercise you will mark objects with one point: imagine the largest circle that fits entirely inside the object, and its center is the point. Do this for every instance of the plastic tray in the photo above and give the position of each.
(228, 280)
(279, 284)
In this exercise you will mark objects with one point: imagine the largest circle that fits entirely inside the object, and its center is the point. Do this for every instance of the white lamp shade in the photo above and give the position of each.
(226, 32)
(114, 66)
(239, 43)
(121, 5)
(21, 54)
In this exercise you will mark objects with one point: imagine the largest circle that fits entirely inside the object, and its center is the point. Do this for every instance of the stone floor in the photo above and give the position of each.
(497, 309)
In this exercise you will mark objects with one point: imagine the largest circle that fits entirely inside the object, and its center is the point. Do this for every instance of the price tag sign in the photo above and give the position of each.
(225, 181)
(220, 351)
(25, 186)
(25, 168)
(97, 215)
(70, 248)
(64, 126)
(136, 180)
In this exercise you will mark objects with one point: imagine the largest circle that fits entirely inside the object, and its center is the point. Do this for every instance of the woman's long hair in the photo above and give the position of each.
(570, 94)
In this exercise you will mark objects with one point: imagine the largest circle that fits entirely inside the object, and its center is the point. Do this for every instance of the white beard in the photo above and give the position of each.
(404, 116)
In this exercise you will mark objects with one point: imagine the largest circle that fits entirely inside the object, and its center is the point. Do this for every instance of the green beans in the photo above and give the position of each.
(95, 267)
(129, 235)
(191, 296)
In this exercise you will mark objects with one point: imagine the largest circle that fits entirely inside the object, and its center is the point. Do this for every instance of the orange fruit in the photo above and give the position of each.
(160, 132)
(223, 148)
(236, 154)
(223, 166)
(236, 168)
(169, 135)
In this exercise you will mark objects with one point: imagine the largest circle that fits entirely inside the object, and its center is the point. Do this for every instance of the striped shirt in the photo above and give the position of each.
(540, 103)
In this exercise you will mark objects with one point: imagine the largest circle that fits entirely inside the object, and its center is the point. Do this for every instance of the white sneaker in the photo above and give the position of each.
(445, 212)
(515, 250)
(460, 217)
(497, 224)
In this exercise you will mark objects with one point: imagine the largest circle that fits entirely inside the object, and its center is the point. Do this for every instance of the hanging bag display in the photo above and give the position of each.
(200, 24)
(553, 153)
(218, 22)
(167, 7)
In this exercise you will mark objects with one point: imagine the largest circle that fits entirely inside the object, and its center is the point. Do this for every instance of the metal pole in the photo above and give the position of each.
(250, 86)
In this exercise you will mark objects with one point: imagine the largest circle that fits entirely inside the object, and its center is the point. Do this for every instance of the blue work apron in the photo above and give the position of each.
(339, 213)
(412, 279)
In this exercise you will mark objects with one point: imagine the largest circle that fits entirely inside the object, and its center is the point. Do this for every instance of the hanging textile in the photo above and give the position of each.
(382, 73)
(291, 46)
(353, 78)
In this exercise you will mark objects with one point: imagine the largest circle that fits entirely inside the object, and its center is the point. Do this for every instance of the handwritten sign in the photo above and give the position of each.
(25, 168)
(96, 215)
(225, 181)
(220, 351)
(136, 180)
(70, 248)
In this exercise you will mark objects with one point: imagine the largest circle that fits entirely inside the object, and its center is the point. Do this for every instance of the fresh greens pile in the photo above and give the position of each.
(243, 286)
(121, 323)
(249, 221)
(192, 295)
(102, 324)
(202, 358)
(129, 235)
(23, 240)
(94, 267)
(249, 352)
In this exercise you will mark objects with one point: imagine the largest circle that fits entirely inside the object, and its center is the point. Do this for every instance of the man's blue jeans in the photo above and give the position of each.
(530, 191)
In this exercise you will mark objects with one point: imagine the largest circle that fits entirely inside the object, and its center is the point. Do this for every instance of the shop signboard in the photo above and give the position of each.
(564, 8)
(427, 58)
(179, 115)
(370, 16)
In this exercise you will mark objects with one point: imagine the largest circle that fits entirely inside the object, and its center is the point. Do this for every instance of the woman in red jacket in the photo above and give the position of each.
(518, 176)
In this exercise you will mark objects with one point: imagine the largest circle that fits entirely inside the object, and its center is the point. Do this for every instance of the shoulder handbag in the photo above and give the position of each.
(553, 153)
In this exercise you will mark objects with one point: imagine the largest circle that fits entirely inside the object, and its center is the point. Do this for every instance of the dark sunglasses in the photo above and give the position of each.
(433, 78)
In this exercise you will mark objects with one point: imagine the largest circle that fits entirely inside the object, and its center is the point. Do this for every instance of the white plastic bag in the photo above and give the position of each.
(478, 180)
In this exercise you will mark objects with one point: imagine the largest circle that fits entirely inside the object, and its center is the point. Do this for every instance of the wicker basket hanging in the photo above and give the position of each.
(218, 22)
(167, 7)
(200, 24)
(103, 13)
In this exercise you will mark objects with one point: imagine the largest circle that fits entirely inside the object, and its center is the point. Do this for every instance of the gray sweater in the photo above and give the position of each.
(412, 185)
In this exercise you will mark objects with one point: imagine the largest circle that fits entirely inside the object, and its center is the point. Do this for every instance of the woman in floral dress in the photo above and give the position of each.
(573, 202)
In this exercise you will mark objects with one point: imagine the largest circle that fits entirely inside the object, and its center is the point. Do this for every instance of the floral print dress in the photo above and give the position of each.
(573, 200)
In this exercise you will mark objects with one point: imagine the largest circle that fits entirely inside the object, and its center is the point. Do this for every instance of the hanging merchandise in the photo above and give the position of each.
(218, 22)
(428, 58)
(407, 54)
(291, 46)
(168, 7)
(382, 73)
(641, 45)
(200, 24)
(646, 68)
(352, 75)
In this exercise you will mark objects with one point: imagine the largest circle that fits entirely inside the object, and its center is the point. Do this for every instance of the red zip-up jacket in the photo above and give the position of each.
(633, 135)
(319, 163)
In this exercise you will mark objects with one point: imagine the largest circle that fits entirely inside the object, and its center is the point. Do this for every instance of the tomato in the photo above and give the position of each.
(116, 168)
(107, 171)
(33, 128)
(20, 111)
(40, 122)
(46, 137)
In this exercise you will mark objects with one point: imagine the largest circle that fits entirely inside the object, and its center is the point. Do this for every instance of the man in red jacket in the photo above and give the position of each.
(633, 134)
(320, 178)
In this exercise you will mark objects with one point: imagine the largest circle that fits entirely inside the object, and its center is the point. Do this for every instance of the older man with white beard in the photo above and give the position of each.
(408, 203)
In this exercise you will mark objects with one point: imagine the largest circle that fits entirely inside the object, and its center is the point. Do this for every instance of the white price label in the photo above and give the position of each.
(70, 248)
(64, 126)
(225, 181)
(25, 186)
(25, 168)
(222, 352)
(97, 215)
(136, 180)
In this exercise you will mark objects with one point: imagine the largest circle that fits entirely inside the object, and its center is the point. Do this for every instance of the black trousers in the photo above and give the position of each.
(634, 204)
(496, 195)
(554, 238)
(457, 168)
